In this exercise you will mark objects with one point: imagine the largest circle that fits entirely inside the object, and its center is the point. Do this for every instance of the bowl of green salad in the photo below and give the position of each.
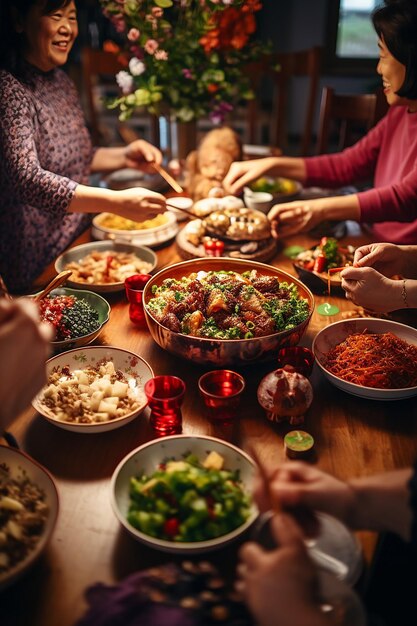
(185, 494)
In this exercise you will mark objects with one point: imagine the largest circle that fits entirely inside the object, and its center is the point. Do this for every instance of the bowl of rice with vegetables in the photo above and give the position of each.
(185, 494)
(28, 513)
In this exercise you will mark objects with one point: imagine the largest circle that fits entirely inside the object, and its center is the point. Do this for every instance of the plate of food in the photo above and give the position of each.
(93, 389)
(281, 189)
(163, 493)
(153, 232)
(319, 267)
(28, 515)
(370, 358)
(78, 316)
(103, 266)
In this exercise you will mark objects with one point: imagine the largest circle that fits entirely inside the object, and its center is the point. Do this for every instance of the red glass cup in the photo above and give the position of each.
(134, 286)
(165, 395)
(221, 391)
(302, 359)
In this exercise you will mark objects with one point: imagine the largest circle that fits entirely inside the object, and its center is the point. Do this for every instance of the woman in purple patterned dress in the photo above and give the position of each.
(46, 154)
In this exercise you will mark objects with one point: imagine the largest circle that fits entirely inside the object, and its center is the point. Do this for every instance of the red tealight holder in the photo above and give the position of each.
(134, 286)
(221, 391)
(165, 395)
(302, 359)
(213, 247)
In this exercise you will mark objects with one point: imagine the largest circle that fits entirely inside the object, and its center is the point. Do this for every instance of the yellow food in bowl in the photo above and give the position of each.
(115, 222)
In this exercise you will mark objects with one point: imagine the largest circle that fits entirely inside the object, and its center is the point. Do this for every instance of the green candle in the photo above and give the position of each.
(298, 444)
(327, 309)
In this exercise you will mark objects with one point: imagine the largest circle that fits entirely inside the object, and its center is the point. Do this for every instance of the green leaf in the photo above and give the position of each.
(164, 4)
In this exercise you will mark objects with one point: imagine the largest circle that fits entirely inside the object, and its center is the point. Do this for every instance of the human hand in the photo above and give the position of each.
(139, 155)
(241, 173)
(290, 218)
(280, 586)
(366, 287)
(296, 485)
(25, 340)
(139, 204)
(385, 258)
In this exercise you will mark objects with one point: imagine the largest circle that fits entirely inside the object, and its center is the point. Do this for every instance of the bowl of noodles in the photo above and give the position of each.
(226, 312)
(370, 358)
(152, 232)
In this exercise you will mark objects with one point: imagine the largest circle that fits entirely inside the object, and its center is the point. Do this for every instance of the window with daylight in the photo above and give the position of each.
(351, 39)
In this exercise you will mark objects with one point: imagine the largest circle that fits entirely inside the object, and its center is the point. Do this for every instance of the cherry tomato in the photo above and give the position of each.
(171, 526)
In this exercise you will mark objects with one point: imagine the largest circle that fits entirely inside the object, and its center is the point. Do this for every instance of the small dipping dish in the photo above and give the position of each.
(257, 200)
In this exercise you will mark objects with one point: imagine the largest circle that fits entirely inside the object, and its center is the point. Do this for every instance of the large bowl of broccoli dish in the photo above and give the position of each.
(226, 312)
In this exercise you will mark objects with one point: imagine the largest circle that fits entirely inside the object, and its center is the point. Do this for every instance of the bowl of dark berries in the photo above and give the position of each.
(78, 316)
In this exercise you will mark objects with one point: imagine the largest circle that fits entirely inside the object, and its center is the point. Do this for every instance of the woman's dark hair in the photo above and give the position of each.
(11, 41)
(396, 24)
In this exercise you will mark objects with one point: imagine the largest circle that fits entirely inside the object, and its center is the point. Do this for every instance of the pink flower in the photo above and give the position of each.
(133, 34)
(151, 46)
(187, 73)
(157, 12)
(161, 55)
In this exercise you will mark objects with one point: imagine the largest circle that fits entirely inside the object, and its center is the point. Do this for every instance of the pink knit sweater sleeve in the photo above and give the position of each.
(388, 154)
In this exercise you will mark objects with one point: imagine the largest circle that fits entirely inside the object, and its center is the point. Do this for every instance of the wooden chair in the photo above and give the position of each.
(349, 116)
(303, 63)
(99, 68)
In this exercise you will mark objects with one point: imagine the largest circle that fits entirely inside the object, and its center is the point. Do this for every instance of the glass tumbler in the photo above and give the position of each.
(134, 286)
(302, 359)
(221, 391)
(165, 395)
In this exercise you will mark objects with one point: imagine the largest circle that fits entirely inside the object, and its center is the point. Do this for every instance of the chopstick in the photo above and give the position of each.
(189, 214)
(3, 288)
(276, 507)
(171, 181)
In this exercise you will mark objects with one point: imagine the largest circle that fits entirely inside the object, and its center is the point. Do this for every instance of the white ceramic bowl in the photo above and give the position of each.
(337, 332)
(258, 200)
(77, 253)
(146, 459)
(144, 237)
(19, 465)
(136, 370)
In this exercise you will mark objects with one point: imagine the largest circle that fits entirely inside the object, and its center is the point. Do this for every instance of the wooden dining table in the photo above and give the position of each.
(353, 437)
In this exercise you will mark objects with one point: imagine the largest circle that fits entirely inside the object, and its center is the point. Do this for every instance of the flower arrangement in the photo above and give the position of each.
(184, 57)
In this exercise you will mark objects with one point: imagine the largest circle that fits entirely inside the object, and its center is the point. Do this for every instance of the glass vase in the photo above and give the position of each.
(177, 139)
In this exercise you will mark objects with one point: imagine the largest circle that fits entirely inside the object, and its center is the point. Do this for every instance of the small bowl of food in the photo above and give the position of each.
(29, 511)
(370, 358)
(319, 267)
(78, 316)
(103, 266)
(281, 189)
(150, 232)
(93, 389)
(257, 200)
(226, 312)
(185, 494)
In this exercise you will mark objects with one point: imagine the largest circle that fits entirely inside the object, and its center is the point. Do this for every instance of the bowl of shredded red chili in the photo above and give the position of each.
(371, 358)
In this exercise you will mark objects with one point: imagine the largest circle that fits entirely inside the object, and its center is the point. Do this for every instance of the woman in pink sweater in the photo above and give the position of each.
(388, 152)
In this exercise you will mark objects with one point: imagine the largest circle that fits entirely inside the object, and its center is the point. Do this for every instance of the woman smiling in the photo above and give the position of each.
(46, 154)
